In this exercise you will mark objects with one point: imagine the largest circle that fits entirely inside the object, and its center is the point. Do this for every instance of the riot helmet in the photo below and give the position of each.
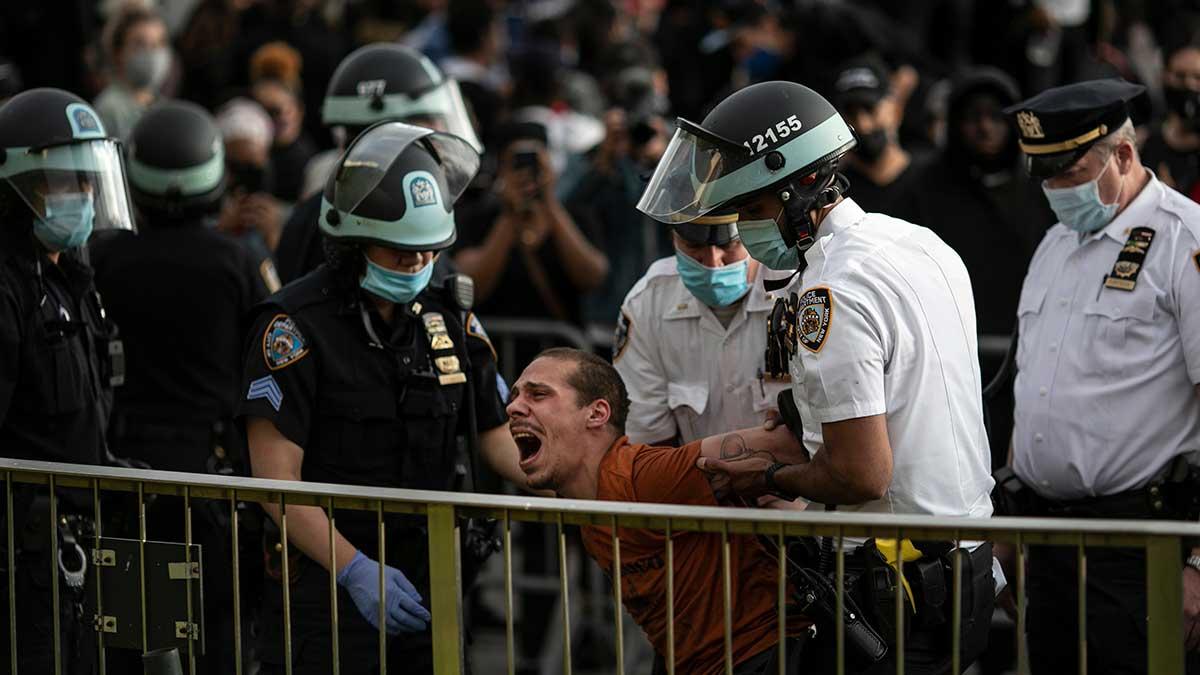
(385, 81)
(396, 186)
(176, 161)
(57, 159)
(780, 137)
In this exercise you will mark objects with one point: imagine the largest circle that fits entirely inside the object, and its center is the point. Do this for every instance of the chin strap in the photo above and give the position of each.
(799, 230)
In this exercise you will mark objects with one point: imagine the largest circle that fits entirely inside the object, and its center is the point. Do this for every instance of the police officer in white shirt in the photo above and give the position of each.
(690, 340)
(884, 364)
(1108, 364)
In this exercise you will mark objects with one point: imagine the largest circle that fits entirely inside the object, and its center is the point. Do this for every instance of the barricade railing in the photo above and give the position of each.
(1161, 540)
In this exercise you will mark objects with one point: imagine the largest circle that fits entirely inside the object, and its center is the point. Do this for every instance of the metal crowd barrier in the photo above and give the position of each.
(1162, 542)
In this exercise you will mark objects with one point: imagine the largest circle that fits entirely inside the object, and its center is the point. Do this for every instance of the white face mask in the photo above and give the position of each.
(1080, 207)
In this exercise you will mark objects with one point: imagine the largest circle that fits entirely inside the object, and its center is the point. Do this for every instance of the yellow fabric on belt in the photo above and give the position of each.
(908, 553)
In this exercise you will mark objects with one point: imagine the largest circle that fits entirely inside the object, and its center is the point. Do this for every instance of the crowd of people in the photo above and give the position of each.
(331, 199)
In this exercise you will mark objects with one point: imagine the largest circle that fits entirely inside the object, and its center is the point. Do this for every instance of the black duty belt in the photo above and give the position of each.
(1157, 501)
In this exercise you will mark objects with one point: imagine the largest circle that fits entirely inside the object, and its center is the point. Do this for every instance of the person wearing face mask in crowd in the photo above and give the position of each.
(976, 197)
(879, 344)
(878, 168)
(707, 303)
(372, 84)
(250, 213)
(364, 372)
(137, 49)
(1173, 149)
(61, 179)
(1108, 374)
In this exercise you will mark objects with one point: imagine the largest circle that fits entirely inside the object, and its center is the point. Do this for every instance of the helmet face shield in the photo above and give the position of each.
(95, 167)
(686, 182)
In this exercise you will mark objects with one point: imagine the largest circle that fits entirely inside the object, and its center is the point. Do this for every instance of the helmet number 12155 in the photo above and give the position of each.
(781, 130)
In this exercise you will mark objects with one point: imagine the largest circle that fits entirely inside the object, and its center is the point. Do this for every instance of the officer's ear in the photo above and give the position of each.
(599, 413)
(1126, 156)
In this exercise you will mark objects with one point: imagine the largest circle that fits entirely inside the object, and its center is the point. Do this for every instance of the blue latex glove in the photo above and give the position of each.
(404, 611)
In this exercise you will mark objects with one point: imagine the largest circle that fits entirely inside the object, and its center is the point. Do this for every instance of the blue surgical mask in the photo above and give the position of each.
(398, 287)
(1079, 207)
(714, 286)
(764, 241)
(68, 222)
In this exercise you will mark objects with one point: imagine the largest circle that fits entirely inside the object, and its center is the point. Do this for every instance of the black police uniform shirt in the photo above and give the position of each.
(55, 392)
(383, 414)
(182, 295)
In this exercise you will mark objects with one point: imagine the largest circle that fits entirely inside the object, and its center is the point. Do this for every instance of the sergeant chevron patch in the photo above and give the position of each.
(266, 388)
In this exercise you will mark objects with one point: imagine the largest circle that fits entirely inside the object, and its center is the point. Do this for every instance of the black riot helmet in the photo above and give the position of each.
(54, 150)
(176, 162)
(386, 81)
(772, 136)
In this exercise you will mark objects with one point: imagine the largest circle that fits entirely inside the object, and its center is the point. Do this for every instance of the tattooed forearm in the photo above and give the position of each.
(733, 447)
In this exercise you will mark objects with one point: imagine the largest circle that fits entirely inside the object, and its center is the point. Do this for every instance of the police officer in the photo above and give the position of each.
(175, 408)
(61, 179)
(884, 367)
(364, 372)
(690, 340)
(1108, 366)
(372, 84)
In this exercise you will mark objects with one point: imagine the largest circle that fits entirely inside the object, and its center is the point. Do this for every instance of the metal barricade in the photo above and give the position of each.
(1161, 541)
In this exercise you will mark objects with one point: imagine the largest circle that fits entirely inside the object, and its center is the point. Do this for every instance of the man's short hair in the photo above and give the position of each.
(593, 379)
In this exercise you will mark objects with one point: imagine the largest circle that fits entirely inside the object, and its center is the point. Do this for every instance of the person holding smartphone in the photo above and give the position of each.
(521, 243)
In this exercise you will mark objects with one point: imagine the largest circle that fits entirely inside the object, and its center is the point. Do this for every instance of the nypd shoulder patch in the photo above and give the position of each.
(266, 388)
(283, 344)
(813, 318)
(621, 335)
(475, 330)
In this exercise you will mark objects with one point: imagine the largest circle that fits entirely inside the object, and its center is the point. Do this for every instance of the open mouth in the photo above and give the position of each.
(528, 443)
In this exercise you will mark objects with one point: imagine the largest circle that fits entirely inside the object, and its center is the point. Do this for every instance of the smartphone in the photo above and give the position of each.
(527, 160)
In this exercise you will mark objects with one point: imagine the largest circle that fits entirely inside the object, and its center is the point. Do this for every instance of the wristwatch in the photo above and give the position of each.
(1192, 561)
(774, 489)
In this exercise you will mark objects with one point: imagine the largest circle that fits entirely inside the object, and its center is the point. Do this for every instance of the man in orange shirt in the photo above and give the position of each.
(567, 415)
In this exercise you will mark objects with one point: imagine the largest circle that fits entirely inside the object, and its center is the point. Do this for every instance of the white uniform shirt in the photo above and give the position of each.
(1104, 390)
(685, 372)
(898, 339)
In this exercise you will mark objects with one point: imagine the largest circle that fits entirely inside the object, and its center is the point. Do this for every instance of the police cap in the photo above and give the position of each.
(713, 229)
(1059, 125)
